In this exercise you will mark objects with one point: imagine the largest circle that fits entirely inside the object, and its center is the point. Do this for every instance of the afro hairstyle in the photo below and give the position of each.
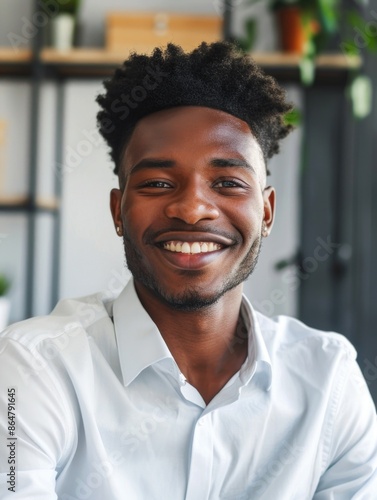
(213, 75)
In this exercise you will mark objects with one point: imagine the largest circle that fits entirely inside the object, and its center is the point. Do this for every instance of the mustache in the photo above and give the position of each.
(150, 234)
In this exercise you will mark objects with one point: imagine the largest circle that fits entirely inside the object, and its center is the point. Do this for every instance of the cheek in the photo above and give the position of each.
(133, 216)
(139, 215)
(246, 217)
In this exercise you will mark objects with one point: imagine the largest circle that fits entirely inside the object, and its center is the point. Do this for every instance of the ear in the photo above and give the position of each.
(269, 197)
(116, 212)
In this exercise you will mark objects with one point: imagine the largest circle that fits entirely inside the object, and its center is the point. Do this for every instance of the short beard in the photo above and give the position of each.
(191, 300)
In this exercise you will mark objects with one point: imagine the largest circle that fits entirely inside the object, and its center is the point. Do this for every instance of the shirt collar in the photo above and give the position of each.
(140, 343)
(258, 362)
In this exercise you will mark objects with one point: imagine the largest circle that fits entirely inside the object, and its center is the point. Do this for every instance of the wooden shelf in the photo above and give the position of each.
(50, 204)
(24, 204)
(335, 61)
(15, 62)
(10, 55)
(98, 63)
(104, 57)
(331, 69)
(82, 56)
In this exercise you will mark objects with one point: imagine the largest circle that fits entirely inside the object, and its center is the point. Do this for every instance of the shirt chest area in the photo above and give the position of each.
(161, 441)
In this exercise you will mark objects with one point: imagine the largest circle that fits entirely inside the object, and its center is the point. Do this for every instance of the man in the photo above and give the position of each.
(178, 389)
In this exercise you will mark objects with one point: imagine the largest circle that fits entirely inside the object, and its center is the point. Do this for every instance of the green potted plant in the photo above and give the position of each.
(307, 26)
(4, 301)
(63, 23)
(298, 23)
(319, 21)
(68, 6)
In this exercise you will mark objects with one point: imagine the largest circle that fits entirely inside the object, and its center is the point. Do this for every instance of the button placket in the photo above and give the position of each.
(199, 480)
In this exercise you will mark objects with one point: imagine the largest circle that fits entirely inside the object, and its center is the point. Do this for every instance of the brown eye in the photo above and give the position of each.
(228, 184)
(156, 184)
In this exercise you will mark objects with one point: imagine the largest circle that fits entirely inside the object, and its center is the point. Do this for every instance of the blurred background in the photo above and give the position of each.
(56, 235)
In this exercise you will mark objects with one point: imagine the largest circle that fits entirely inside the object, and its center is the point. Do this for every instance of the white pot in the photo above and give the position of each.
(63, 27)
(4, 312)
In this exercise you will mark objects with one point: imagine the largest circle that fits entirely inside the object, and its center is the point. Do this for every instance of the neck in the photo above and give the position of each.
(203, 343)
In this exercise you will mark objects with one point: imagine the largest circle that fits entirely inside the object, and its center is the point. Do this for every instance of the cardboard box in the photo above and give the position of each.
(141, 32)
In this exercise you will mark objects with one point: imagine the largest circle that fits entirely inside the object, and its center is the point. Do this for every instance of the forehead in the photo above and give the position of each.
(193, 132)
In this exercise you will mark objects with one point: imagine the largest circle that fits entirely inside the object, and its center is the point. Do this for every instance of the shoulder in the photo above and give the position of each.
(289, 341)
(69, 317)
(316, 371)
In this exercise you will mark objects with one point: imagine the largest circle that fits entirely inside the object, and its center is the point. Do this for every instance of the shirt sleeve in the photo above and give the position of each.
(351, 462)
(32, 400)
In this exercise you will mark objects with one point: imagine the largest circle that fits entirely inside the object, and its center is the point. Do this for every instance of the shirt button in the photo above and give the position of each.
(201, 421)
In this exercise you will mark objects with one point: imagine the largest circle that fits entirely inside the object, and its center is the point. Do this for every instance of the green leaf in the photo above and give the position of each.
(349, 48)
(246, 43)
(329, 13)
(362, 36)
(307, 70)
(65, 6)
(361, 94)
(293, 117)
(4, 285)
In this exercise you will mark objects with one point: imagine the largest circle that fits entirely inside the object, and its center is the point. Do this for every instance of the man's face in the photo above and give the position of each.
(192, 205)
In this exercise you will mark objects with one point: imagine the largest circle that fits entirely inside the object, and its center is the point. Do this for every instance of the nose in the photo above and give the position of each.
(191, 205)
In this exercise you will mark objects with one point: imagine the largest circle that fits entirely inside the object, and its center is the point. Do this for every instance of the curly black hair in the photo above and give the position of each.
(214, 75)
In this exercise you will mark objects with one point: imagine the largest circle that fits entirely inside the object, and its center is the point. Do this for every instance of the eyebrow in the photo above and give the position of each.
(147, 163)
(150, 163)
(232, 162)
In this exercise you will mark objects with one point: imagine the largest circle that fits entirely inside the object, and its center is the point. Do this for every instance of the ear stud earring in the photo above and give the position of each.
(264, 230)
(119, 232)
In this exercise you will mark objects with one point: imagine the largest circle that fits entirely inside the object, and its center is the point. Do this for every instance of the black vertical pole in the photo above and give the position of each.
(227, 19)
(33, 164)
(343, 176)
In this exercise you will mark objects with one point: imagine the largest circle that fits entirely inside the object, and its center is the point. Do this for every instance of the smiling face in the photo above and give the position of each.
(192, 205)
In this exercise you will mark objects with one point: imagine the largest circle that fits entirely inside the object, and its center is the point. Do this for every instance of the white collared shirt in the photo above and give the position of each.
(103, 412)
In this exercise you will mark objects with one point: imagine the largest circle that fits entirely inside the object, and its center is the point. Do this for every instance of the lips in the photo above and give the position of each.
(191, 250)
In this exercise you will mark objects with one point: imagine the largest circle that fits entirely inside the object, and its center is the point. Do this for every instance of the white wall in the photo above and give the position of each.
(92, 256)
(271, 291)
(14, 113)
(13, 243)
(14, 16)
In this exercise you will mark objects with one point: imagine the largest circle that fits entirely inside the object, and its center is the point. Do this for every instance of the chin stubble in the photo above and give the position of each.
(191, 299)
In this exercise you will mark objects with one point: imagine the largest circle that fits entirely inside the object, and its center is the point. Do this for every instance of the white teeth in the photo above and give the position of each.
(193, 248)
(186, 248)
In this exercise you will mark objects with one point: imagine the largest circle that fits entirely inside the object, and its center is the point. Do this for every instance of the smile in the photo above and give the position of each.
(194, 247)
